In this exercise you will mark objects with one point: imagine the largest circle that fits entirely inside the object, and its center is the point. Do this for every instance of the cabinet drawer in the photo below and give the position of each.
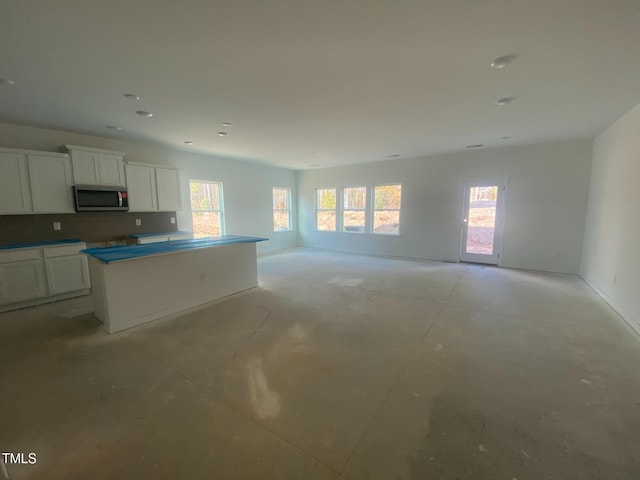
(163, 238)
(20, 254)
(64, 251)
(181, 236)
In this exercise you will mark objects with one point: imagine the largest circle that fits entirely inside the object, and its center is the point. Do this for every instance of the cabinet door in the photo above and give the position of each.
(168, 182)
(67, 274)
(141, 183)
(51, 184)
(85, 168)
(111, 169)
(20, 281)
(15, 193)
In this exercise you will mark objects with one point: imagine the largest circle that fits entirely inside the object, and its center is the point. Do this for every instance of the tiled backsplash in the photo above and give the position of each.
(89, 227)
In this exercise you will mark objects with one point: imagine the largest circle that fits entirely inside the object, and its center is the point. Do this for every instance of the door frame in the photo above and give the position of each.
(500, 218)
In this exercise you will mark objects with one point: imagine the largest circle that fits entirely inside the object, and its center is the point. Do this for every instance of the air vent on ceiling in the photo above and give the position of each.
(479, 145)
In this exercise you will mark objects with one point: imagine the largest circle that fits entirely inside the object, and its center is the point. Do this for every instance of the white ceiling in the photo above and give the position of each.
(352, 81)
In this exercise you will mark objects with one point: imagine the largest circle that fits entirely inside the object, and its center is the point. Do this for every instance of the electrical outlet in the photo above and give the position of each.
(173, 220)
(138, 222)
(57, 226)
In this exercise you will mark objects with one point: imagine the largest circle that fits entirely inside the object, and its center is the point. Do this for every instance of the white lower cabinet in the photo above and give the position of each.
(66, 274)
(21, 281)
(33, 275)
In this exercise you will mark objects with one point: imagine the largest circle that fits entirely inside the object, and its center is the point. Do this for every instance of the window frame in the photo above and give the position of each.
(374, 209)
(220, 211)
(334, 210)
(288, 209)
(365, 209)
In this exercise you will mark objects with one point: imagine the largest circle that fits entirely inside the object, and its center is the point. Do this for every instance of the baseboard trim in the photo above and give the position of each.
(625, 318)
(43, 300)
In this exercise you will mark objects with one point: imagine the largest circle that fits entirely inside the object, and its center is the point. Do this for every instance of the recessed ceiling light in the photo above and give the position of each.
(503, 62)
(188, 142)
(477, 145)
(226, 124)
(142, 113)
(6, 81)
(222, 134)
(504, 101)
(114, 127)
(131, 96)
(393, 155)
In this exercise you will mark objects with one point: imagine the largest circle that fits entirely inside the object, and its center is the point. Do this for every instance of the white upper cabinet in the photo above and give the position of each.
(15, 192)
(168, 184)
(93, 166)
(142, 188)
(153, 189)
(85, 168)
(51, 181)
(111, 168)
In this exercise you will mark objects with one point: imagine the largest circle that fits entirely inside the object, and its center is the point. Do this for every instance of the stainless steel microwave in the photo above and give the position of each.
(96, 198)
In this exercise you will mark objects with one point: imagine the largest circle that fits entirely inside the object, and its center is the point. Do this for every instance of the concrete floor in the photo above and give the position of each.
(337, 366)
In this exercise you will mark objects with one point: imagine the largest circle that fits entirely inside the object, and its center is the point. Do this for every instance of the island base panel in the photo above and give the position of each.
(136, 291)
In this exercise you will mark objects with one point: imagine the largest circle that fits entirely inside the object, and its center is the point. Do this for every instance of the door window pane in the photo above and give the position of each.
(482, 220)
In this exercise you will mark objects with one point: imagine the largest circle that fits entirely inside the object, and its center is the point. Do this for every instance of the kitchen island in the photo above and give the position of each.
(135, 284)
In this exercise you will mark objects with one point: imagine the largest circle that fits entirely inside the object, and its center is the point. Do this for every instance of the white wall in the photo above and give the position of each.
(611, 258)
(545, 208)
(247, 186)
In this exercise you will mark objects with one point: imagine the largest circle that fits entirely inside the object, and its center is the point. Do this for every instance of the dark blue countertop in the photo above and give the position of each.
(39, 244)
(116, 254)
(161, 234)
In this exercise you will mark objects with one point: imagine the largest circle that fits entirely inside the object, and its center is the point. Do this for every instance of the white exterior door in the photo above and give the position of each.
(482, 221)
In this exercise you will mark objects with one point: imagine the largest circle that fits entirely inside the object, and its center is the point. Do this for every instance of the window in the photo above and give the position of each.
(354, 203)
(207, 208)
(386, 209)
(281, 209)
(326, 210)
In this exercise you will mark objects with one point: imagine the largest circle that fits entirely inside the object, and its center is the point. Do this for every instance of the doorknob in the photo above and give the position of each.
(465, 220)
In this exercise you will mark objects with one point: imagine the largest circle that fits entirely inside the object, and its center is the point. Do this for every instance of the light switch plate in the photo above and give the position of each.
(138, 222)
(173, 220)
(57, 226)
